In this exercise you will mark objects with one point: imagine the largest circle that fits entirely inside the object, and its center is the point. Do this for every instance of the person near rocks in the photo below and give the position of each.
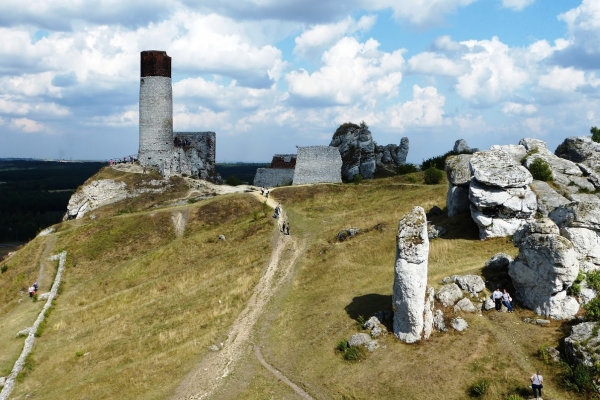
(537, 381)
(31, 291)
(507, 300)
(497, 297)
(287, 228)
(35, 287)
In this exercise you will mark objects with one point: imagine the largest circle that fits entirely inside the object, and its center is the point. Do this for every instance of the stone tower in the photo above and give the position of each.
(156, 109)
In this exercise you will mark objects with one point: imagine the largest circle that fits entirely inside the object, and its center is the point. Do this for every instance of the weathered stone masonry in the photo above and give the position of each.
(318, 164)
(189, 153)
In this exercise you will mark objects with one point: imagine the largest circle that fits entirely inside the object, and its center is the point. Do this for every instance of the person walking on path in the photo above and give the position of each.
(537, 381)
(497, 297)
(506, 299)
(31, 291)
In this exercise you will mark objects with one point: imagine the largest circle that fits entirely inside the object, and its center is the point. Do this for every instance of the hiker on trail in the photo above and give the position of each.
(31, 291)
(277, 211)
(506, 299)
(35, 286)
(262, 191)
(287, 228)
(537, 384)
(497, 297)
(267, 193)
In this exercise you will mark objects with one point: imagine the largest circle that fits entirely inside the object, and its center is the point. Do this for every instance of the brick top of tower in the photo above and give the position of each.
(155, 63)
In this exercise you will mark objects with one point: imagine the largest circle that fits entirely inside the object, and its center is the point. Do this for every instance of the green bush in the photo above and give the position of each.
(406, 169)
(433, 176)
(353, 354)
(595, 134)
(233, 180)
(592, 310)
(540, 170)
(342, 345)
(593, 280)
(412, 178)
(192, 201)
(479, 388)
(4, 268)
(579, 378)
(358, 178)
(79, 354)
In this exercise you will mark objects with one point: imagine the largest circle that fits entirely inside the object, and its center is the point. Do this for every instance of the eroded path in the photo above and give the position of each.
(209, 374)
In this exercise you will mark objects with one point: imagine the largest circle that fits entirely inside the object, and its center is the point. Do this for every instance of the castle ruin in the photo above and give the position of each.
(171, 153)
(281, 172)
(318, 164)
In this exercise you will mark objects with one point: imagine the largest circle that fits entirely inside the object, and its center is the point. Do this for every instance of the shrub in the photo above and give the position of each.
(35, 298)
(79, 354)
(192, 201)
(353, 354)
(4, 268)
(578, 378)
(479, 388)
(233, 180)
(412, 178)
(595, 134)
(592, 310)
(593, 280)
(530, 152)
(406, 169)
(358, 178)
(540, 170)
(433, 176)
(342, 345)
(361, 320)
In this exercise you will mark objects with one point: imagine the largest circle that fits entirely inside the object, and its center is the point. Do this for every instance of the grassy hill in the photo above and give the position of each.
(140, 306)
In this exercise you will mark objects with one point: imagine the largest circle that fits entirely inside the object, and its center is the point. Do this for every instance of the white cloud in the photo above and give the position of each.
(426, 109)
(470, 124)
(26, 125)
(312, 41)
(516, 5)
(562, 79)
(583, 23)
(492, 73)
(435, 64)
(422, 13)
(351, 72)
(511, 108)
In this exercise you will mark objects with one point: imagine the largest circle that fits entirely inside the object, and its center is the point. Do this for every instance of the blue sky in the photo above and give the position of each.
(268, 75)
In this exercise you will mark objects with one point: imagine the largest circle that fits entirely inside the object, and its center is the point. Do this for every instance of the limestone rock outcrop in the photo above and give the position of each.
(410, 276)
(547, 265)
(582, 346)
(580, 149)
(548, 199)
(107, 191)
(438, 321)
(459, 324)
(465, 305)
(473, 284)
(461, 146)
(391, 156)
(357, 149)
(501, 200)
(579, 221)
(459, 177)
(449, 294)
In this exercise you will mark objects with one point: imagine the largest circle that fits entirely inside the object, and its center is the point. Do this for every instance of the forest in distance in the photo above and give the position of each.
(34, 193)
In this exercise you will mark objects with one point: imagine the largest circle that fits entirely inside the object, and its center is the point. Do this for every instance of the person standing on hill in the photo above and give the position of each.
(537, 381)
(506, 299)
(497, 297)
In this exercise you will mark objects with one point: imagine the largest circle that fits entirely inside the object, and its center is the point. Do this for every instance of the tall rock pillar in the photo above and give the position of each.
(156, 109)
(410, 278)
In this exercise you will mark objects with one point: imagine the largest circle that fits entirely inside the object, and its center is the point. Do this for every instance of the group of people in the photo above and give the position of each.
(265, 192)
(502, 298)
(125, 160)
(33, 289)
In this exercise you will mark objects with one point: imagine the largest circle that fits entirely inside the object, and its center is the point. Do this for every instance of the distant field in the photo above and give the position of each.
(34, 194)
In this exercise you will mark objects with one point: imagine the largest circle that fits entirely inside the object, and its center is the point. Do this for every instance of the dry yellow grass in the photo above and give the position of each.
(144, 304)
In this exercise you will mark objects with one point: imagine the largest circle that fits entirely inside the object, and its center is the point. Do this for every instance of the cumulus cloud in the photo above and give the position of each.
(422, 14)
(562, 79)
(426, 109)
(493, 73)
(516, 5)
(312, 41)
(583, 24)
(435, 64)
(511, 108)
(26, 125)
(351, 72)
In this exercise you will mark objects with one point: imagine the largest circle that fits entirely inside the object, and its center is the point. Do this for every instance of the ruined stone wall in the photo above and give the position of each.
(318, 164)
(156, 109)
(269, 177)
(283, 161)
(194, 154)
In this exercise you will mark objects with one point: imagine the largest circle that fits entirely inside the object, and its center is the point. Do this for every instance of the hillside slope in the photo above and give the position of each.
(140, 305)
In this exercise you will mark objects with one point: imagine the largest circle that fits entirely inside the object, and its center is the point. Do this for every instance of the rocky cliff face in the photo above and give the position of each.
(391, 156)
(357, 149)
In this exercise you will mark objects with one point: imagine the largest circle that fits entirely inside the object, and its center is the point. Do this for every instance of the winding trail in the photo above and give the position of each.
(208, 375)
